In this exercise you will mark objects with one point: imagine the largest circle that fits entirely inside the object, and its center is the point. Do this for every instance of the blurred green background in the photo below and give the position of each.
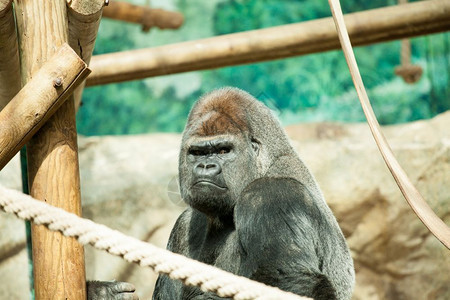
(309, 88)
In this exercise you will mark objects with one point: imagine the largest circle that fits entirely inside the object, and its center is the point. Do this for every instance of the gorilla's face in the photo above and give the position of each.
(215, 171)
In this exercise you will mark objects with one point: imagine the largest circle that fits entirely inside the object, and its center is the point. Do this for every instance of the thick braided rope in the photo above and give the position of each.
(190, 272)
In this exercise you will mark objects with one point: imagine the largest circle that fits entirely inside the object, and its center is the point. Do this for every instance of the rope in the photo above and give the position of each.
(189, 271)
(420, 207)
(410, 73)
(405, 52)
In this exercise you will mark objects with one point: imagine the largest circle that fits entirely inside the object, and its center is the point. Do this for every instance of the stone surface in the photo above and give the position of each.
(128, 184)
(395, 255)
(13, 252)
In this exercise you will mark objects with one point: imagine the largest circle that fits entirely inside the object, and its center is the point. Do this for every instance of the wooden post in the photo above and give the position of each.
(367, 27)
(84, 18)
(9, 54)
(148, 17)
(38, 100)
(58, 261)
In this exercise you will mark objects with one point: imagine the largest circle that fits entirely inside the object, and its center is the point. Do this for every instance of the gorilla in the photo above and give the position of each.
(254, 209)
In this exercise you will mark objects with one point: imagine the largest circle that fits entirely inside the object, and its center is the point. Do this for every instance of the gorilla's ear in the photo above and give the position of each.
(263, 160)
(256, 145)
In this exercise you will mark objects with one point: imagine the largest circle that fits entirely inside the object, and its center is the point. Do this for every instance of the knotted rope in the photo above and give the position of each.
(189, 271)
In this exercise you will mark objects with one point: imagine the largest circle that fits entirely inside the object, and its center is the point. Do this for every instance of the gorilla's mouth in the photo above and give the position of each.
(207, 183)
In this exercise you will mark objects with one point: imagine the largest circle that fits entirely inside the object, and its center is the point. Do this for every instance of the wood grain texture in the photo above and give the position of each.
(148, 17)
(9, 55)
(84, 18)
(53, 171)
(38, 100)
(367, 27)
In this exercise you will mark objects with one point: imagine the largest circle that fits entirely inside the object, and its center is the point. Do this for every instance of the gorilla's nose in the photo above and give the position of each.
(207, 169)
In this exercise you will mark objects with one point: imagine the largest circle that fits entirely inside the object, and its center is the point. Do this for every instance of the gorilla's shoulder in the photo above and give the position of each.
(272, 192)
(188, 216)
(184, 218)
(283, 209)
(178, 240)
(278, 205)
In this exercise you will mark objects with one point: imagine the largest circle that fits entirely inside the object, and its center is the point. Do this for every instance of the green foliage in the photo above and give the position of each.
(309, 88)
(126, 111)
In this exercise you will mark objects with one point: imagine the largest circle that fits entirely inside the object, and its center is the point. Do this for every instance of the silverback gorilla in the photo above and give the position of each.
(254, 208)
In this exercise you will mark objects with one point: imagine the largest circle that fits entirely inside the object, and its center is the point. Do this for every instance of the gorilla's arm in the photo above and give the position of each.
(186, 238)
(277, 221)
(165, 287)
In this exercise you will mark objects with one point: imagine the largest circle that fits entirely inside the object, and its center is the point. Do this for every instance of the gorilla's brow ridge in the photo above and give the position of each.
(219, 120)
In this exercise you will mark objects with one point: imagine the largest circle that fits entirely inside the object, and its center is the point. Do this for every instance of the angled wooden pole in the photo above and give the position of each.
(84, 18)
(366, 27)
(58, 261)
(38, 100)
(9, 54)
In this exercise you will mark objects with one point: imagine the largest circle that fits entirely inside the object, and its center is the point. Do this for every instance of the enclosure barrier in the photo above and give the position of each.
(367, 27)
(38, 100)
(148, 17)
(189, 271)
(52, 155)
(9, 54)
(84, 19)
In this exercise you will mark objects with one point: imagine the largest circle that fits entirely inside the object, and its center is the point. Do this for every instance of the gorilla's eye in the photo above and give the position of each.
(210, 148)
(197, 152)
(224, 150)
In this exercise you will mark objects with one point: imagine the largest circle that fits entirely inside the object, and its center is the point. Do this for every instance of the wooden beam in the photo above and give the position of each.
(367, 27)
(53, 173)
(148, 17)
(84, 18)
(38, 100)
(9, 55)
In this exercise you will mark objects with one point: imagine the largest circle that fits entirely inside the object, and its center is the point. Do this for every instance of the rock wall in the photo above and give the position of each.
(128, 184)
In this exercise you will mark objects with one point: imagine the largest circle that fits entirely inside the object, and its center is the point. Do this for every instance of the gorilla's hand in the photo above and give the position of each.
(110, 290)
